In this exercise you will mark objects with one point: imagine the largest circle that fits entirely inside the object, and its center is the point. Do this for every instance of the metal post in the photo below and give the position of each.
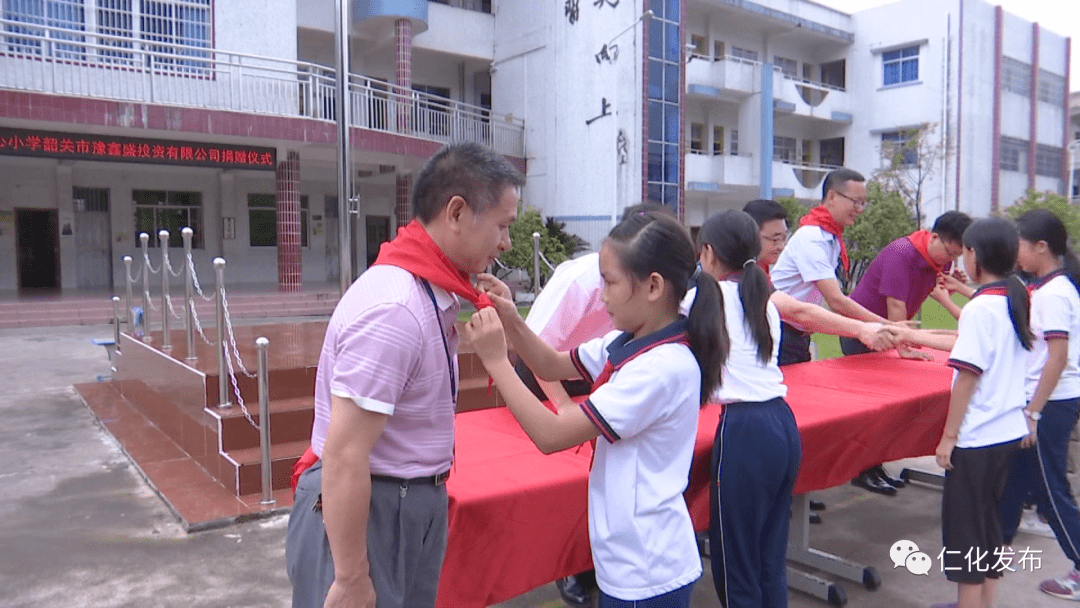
(189, 321)
(264, 422)
(116, 320)
(163, 243)
(341, 34)
(127, 295)
(536, 263)
(145, 240)
(223, 382)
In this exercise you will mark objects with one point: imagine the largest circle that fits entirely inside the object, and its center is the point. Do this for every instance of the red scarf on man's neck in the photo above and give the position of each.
(921, 240)
(819, 216)
(414, 251)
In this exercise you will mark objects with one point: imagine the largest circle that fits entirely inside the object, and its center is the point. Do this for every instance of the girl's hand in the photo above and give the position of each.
(492, 286)
(505, 307)
(943, 454)
(485, 333)
(1032, 435)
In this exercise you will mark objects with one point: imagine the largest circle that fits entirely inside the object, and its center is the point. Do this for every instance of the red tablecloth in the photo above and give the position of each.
(518, 518)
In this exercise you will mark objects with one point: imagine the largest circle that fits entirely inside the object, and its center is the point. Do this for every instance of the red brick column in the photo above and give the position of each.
(403, 208)
(287, 185)
(403, 69)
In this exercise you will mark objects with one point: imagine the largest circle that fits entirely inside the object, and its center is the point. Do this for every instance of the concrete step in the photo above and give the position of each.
(246, 469)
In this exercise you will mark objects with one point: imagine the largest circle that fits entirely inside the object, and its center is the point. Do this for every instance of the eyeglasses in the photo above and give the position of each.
(779, 239)
(861, 203)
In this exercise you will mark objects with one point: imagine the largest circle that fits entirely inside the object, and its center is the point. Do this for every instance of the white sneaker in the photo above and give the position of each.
(1031, 523)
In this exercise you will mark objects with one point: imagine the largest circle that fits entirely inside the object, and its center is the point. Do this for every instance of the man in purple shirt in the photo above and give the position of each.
(898, 281)
(369, 520)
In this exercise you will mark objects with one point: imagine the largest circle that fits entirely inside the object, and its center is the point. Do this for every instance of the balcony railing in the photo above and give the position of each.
(60, 61)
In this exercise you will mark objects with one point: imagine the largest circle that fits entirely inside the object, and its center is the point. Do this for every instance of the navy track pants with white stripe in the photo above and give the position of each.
(755, 461)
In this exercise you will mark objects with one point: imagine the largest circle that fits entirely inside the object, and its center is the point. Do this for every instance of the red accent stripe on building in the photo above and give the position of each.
(995, 156)
(1033, 116)
(645, 24)
(681, 211)
(402, 208)
(959, 103)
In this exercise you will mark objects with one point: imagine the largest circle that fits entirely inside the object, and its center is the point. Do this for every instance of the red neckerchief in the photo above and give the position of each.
(921, 240)
(819, 216)
(306, 461)
(765, 267)
(414, 251)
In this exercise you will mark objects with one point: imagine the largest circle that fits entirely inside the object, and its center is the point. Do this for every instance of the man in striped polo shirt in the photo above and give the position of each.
(385, 393)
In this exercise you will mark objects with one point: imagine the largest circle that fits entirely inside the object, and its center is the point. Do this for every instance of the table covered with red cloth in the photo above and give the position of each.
(518, 518)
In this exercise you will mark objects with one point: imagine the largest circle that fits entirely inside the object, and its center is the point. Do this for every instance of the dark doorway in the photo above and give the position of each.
(378, 232)
(38, 248)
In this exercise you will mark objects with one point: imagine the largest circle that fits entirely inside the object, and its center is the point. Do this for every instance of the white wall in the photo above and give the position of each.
(446, 25)
(257, 27)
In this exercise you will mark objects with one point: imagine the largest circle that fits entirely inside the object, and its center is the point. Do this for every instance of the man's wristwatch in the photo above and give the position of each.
(1033, 415)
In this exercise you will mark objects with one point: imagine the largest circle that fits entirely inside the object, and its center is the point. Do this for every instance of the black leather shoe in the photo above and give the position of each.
(867, 480)
(889, 479)
(572, 592)
(817, 505)
(815, 518)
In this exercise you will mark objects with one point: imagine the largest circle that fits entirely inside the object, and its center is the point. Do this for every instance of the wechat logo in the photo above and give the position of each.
(906, 553)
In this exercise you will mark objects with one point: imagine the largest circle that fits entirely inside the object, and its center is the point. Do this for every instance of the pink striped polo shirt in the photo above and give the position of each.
(383, 350)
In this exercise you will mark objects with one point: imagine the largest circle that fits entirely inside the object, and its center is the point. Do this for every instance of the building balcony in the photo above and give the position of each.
(53, 61)
(725, 78)
(799, 179)
(706, 173)
(813, 100)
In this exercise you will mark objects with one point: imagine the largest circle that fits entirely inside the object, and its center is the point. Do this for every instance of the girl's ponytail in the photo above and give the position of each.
(1071, 266)
(709, 340)
(754, 293)
(1019, 309)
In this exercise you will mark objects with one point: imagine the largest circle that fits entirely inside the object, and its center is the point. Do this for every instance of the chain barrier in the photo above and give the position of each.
(176, 315)
(232, 336)
(236, 386)
(195, 280)
(138, 275)
(146, 292)
(198, 326)
(149, 264)
(169, 266)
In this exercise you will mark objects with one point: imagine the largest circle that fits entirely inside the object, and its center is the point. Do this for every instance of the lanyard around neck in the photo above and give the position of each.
(442, 334)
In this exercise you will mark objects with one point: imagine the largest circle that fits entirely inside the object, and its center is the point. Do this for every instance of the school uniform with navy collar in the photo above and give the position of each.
(1041, 470)
(755, 461)
(645, 404)
(990, 434)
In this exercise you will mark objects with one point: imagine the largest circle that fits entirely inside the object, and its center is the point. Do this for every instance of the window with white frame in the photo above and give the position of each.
(169, 210)
(1015, 76)
(900, 147)
(901, 65)
(262, 220)
(1048, 160)
(1013, 154)
(746, 54)
(173, 32)
(784, 148)
(1051, 88)
(789, 67)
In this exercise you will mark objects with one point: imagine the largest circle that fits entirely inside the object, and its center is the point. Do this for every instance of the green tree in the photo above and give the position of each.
(520, 255)
(796, 209)
(885, 219)
(1056, 204)
(572, 243)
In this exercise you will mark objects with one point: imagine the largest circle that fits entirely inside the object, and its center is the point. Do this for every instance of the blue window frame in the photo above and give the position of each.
(901, 65)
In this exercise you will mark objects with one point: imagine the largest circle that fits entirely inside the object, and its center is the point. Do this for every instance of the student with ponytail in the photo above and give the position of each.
(757, 450)
(1053, 393)
(649, 379)
(986, 421)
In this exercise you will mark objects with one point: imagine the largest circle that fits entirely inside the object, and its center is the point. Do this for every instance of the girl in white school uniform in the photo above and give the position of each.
(1053, 393)
(986, 418)
(650, 378)
(757, 449)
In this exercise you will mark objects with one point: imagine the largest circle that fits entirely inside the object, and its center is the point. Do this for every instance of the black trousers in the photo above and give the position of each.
(794, 345)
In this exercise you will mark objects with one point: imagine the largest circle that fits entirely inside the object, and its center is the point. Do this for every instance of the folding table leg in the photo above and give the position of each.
(934, 479)
(799, 552)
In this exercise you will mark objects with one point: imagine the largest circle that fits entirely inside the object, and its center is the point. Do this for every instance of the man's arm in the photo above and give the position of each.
(897, 311)
(816, 319)
(346, 499)
(843, 305)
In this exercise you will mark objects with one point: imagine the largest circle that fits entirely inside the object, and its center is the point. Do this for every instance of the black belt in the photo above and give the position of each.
(431, 480)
